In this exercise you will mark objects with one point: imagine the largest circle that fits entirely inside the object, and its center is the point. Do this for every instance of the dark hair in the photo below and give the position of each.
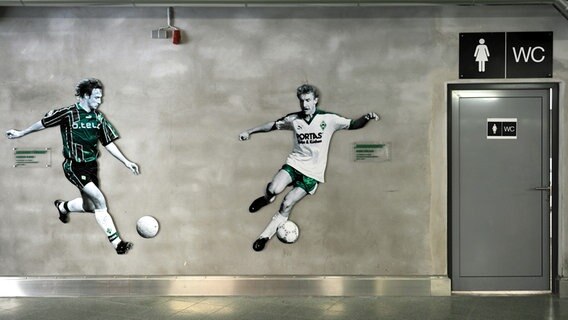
(307, 88)
(86, 86)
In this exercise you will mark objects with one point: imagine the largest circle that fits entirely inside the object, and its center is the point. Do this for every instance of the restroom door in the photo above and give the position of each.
(499, 189)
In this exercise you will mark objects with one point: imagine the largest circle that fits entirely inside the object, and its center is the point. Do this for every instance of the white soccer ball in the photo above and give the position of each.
(288, 232)
(147, 227)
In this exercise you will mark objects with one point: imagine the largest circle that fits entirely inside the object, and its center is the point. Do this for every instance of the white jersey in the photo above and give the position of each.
(311, 140)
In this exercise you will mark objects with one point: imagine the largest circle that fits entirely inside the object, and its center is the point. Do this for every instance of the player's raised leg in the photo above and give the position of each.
(293, 197)
(82, 204)
(290, 200)
(280, 181)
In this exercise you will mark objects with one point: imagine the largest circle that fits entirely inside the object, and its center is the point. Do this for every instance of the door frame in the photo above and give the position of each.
(554, 148)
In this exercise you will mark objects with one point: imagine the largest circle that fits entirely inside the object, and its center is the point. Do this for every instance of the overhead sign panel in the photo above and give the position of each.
(529, 55)
(493, 55)
(482, 55)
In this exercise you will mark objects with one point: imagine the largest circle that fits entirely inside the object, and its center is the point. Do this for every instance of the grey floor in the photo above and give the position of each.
(537, 307)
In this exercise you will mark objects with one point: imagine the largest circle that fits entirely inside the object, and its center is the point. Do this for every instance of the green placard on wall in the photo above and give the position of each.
(371, 152)
(32, 157)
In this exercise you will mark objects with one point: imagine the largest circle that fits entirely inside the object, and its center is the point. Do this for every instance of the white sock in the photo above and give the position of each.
(276, 221)
(75, 205)
(105, 222)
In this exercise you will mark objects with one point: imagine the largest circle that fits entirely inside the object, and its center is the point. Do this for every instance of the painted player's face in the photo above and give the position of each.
(95, 99)
(308, 103)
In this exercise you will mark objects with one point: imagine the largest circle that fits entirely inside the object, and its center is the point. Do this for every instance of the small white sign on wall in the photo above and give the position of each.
(502, 128)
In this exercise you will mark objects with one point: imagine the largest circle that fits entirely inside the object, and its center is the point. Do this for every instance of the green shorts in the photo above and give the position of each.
(300, 180)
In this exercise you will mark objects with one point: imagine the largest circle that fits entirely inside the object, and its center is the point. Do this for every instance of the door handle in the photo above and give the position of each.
(547, 188)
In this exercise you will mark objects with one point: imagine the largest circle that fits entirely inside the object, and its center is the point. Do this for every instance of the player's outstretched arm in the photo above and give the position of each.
(113, 149)
(361, 122)
(245, 135)
(14, 134)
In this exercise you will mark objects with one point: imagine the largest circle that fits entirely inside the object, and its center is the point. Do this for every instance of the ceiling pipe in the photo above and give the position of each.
(560, 5)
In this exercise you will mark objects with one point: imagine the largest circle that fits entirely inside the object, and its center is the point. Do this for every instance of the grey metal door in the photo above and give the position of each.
(499, 201)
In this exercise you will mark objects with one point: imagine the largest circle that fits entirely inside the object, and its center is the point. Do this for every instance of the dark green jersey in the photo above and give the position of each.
(81, 131)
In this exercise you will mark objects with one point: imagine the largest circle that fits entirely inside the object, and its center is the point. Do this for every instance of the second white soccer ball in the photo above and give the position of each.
(288, 232)
(147, 227)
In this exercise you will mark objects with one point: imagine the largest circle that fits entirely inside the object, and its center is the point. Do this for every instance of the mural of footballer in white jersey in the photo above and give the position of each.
(305, 166)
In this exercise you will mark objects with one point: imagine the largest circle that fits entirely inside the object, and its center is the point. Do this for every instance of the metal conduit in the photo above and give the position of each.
(560, 5)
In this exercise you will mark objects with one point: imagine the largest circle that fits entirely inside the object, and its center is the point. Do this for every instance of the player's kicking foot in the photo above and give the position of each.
(259, 244)
(63, 215)
(123, 247)
(258, 204)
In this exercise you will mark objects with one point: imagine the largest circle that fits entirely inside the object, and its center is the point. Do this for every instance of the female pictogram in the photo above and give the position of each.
(481, 55)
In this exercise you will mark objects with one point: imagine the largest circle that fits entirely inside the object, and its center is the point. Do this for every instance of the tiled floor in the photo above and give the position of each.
(536, 307)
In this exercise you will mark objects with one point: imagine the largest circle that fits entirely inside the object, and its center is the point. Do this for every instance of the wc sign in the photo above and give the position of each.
(529, 54)
(502, 128)
(505, 55)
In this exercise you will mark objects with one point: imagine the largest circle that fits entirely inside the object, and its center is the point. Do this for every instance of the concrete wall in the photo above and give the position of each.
(180, 109)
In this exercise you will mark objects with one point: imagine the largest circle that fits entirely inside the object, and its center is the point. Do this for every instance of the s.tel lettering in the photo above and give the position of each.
(88, 125)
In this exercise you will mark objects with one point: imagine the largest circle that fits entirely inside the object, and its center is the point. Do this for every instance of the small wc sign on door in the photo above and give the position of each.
(501, 128)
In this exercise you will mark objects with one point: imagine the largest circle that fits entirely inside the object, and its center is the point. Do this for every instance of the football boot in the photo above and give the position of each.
(63, 216)
(123, 247)
(259, 244)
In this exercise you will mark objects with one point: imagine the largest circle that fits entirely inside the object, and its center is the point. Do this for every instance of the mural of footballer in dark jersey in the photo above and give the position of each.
(305, 166)
(82, 127)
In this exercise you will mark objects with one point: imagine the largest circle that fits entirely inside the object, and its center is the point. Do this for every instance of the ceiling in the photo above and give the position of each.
(560, 5)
